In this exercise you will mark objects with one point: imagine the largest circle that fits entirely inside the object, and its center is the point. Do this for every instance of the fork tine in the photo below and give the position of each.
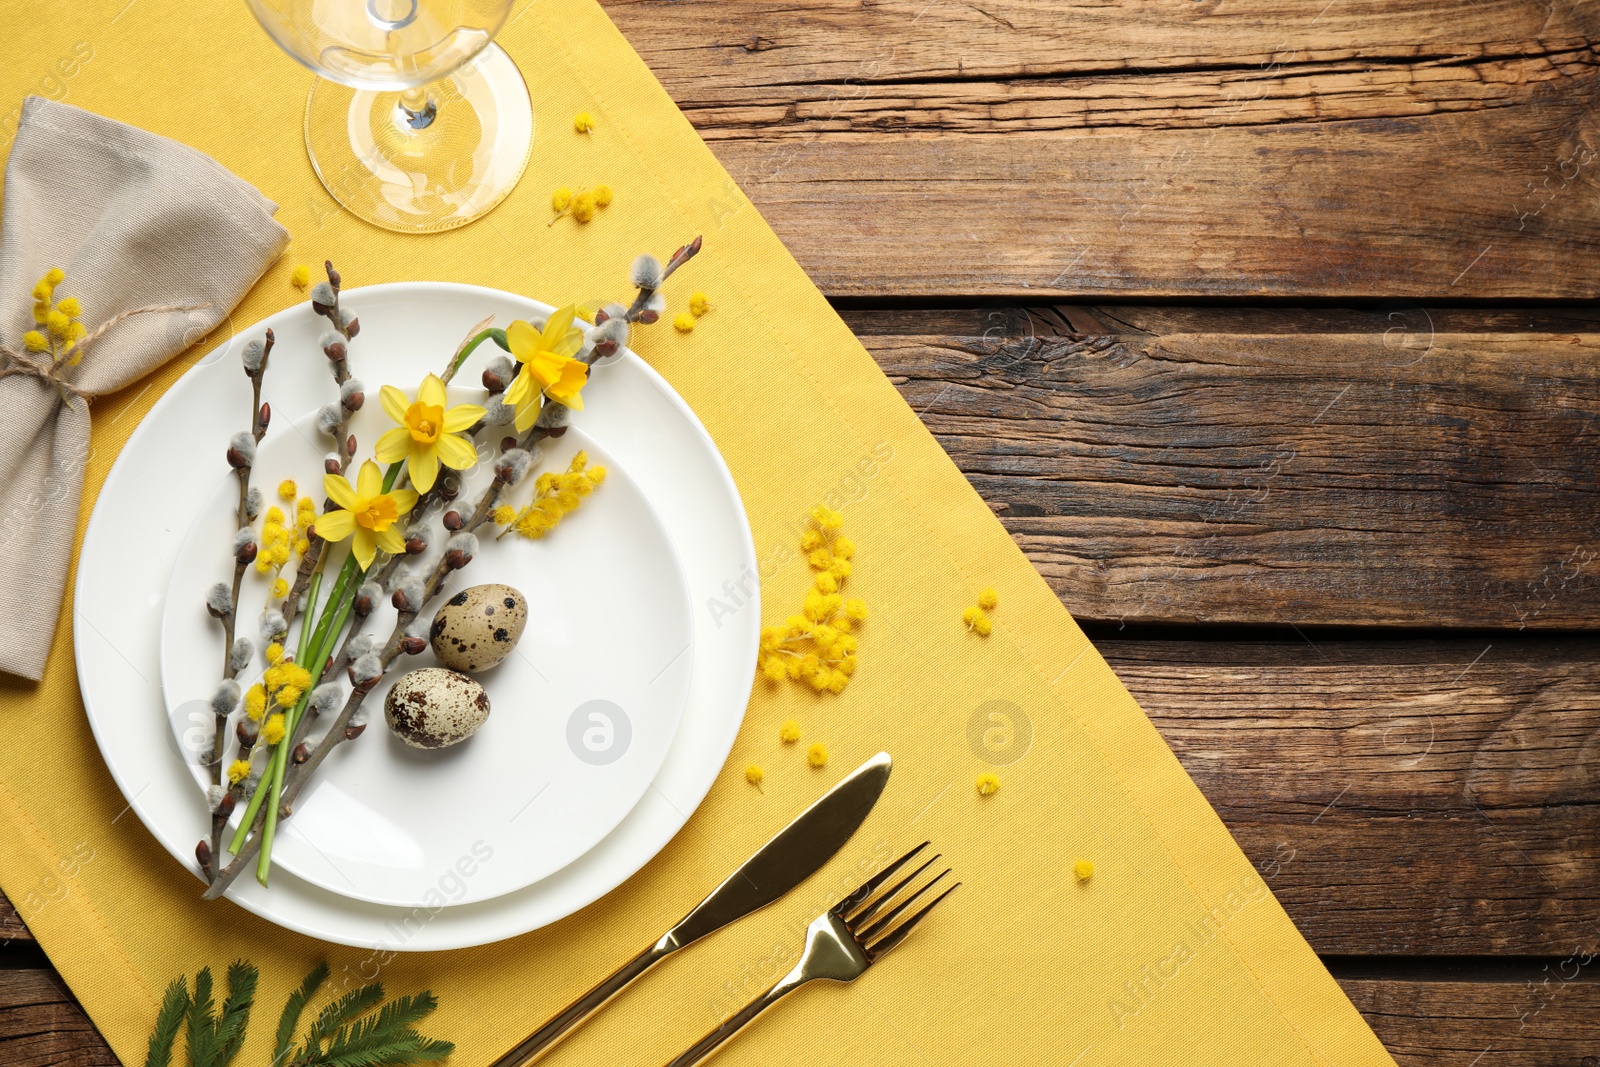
(855, 899)
(890, 940)
(871, 908)
(883, 924)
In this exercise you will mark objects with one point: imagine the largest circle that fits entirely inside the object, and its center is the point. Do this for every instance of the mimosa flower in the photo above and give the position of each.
(426, 436)
(369, 514)
(548, 366)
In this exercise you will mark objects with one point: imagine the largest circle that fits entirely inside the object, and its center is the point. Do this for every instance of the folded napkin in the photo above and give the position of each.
(137, 222)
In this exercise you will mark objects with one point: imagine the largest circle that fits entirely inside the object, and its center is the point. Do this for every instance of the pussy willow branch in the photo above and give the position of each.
(258, 429)
(679, 258)
(391, 648)
(339, 730)
(299, 773)
(341, 374)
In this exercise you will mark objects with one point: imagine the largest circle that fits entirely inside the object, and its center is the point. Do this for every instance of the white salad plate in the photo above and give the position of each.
(504, 852)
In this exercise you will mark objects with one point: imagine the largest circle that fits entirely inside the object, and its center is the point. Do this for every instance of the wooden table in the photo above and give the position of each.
(1267, 330)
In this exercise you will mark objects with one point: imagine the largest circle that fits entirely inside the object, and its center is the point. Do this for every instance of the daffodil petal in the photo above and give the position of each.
(526, 414)
(455, 453)
(369, 483)
(364, 546)
(569, 345)
(394, 403)
(339, 491)
(556, 327)
(520, 386)
(424, 466)
(431, 392)
(461, 416)
(335, 525)
(394, 445)
(523, 339)
(391, 541)
(404, 500)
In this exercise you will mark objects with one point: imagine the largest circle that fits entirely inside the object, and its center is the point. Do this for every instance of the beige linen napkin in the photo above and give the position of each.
(136, 221)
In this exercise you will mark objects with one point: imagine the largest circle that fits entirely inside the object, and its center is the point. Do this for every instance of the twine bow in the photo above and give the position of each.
(18, 364)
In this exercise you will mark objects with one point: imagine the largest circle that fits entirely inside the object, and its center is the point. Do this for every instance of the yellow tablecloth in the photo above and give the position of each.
(1175, 952)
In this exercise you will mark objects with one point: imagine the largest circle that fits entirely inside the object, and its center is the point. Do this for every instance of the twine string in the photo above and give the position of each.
(19, 364)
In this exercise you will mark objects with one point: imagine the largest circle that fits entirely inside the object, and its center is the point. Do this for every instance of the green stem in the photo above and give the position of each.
(272, 781)
(493, 333)
(342, 587)
(305, 625)
(315, 645)
(273, 786)
(248, 819)
(339, 611)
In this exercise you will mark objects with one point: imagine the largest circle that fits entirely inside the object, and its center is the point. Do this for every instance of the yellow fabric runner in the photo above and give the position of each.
(1174, 952)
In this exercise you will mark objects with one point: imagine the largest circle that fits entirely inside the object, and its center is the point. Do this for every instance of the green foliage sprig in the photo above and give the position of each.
(358, 1029)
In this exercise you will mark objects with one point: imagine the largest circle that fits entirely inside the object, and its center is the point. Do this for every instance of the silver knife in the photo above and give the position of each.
(794, 854)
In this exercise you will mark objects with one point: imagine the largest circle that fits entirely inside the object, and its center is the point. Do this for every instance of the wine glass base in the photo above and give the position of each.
(433, 168)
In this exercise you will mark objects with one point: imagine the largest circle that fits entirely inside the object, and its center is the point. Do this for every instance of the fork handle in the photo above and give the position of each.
(703, 1048)
(535, 1044)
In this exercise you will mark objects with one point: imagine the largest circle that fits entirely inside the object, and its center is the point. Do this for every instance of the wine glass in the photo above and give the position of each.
(419, 123)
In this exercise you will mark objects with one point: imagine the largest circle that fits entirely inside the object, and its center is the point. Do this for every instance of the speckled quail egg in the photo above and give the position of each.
(478, 627)
(435, 708)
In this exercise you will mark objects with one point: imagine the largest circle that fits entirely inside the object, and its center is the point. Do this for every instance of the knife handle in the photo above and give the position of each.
(569, 1018)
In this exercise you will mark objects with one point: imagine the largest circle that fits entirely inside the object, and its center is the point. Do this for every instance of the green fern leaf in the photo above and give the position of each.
(242, 978)
(202, 1023)
(392, 1019)
(174, 1007)
(359, 1028)
(289, 1022)
(394, 1050)
(351, 1006)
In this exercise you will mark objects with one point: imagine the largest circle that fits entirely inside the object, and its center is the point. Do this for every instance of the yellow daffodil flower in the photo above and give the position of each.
(548, 368)
(426, 436)
(369, 513)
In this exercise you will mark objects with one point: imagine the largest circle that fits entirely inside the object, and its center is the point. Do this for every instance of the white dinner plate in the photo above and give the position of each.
(632, 416)
(581, 713)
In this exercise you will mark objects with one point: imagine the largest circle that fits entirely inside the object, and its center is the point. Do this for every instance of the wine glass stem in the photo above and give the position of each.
(417, 108)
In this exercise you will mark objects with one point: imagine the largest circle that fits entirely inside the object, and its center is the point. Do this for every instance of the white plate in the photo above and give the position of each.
(121, 585)
(581, 714)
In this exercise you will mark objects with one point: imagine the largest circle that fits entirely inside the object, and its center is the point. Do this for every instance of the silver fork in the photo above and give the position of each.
(841, 944)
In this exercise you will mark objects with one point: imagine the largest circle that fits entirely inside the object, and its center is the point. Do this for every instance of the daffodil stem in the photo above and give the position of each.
(315, 644)
(271, 783)
(343, 591)
(493, 333)
(249, 816)
(260, 795)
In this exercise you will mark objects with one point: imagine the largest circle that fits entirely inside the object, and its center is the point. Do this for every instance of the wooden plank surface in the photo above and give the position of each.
(1401, 466)
(1523, 1023)
(1429, 798)
(12, 929)
(1048, 149)
(41, 1025)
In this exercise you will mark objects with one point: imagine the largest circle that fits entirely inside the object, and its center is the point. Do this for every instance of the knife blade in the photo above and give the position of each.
(792, 855)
